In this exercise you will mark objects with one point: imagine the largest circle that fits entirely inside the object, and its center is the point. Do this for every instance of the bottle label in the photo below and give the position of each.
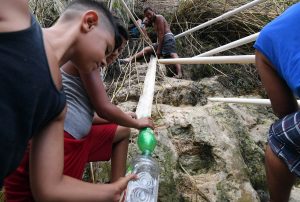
(143, 189)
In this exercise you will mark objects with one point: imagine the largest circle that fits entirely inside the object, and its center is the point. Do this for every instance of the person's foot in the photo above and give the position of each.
(179, 76)
(124, 61)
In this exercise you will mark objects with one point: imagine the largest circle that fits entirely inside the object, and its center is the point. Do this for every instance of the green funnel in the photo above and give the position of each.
(146, 141)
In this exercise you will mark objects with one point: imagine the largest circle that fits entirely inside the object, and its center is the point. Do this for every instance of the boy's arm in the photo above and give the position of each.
(104, 108)
(282, 98)
(160, 34)
(145, 32)
(99, 120)
(46, 171)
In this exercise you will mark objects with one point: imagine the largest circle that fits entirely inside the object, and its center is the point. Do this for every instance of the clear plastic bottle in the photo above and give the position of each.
(145, 188)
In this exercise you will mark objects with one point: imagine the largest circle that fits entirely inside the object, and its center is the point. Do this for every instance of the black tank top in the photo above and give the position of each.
(28, 96)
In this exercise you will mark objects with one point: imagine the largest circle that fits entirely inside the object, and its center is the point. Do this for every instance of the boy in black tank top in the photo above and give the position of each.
(32, 105)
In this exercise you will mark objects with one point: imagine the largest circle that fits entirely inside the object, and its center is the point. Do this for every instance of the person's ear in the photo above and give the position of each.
(90, 20)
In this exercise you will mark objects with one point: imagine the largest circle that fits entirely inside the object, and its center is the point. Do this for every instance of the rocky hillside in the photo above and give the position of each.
(206, 151)
(210, 152)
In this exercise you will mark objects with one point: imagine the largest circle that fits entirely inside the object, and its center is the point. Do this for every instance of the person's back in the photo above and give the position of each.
(161, 20)
(80, 112)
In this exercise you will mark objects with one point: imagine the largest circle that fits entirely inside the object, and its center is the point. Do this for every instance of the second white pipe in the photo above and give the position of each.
(231, 45)
(222, 17)
(256, 101)
(238, 59)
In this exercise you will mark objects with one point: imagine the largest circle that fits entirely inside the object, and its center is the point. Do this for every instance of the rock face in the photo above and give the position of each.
(217, 159)
(206, 151)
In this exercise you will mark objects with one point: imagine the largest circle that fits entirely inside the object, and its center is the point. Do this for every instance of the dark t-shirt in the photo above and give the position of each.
(28, 96)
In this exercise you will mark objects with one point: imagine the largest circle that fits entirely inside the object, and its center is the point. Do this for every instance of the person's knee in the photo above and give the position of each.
(125, 132)
(174, 55)
(122, 133)
(148, 50)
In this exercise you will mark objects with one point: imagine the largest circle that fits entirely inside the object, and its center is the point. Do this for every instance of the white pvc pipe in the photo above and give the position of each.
(231, 45)
(243, 100)
(238, 59)
(222, 17)
(144, 106)
(133, 19)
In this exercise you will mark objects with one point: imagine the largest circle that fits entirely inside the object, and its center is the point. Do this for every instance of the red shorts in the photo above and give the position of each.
(96, 146)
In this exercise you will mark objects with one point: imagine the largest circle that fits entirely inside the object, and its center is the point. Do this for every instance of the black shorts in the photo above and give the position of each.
(169, 45)
(284, 140)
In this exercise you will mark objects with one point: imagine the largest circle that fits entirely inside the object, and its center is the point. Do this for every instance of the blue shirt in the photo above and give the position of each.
(279, 42)
(134, 32)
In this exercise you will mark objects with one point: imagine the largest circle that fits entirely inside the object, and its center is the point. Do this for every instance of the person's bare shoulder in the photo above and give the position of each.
(160, 17)
(14, 15)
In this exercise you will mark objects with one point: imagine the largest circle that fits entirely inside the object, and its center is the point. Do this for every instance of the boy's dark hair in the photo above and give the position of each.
(121, 32)
(96, 5)
(148, 8)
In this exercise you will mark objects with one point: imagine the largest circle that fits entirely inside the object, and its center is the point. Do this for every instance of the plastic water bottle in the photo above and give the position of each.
(145, 188)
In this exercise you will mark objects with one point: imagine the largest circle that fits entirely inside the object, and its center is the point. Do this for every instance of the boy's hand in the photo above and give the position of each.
(145, 122)
(131, 114)
(158, 54)
(121, 185)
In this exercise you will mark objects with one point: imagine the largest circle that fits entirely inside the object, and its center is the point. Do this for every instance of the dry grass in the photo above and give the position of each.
(241, 79)
(194, 12)
(47, 11)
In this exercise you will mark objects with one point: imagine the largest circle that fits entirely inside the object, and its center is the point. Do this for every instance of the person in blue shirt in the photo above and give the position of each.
(278, 64)
(134, 31)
